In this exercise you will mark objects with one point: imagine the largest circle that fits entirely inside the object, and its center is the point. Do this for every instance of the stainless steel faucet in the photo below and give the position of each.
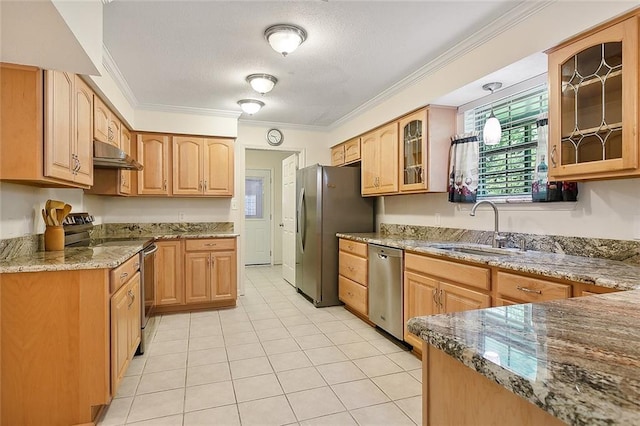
(496, 237)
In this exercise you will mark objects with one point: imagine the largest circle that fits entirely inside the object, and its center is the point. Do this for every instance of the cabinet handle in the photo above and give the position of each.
(351, 268)
(132, 296)
(528, 290)
(553, 156)
(124, 275)
(211, 244)
(164, 185)
(136, 265)
(200, 186)
(205, 185)
(435, 297)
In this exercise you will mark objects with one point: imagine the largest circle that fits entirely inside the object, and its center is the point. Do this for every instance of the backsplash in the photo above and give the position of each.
(22, 246)
(623, 250)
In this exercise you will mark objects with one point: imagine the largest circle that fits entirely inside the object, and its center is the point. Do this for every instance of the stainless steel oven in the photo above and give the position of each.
(147, 298)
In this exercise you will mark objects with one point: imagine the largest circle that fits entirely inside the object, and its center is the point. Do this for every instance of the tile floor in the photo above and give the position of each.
(275, 359)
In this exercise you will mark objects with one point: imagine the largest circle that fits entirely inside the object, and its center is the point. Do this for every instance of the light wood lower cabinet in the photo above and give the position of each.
(353, 276)
(169, 273)
(525, 289)
(434, 286)
(192, 272)
(125, 328)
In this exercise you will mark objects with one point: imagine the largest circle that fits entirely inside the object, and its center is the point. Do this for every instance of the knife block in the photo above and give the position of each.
(54, 238)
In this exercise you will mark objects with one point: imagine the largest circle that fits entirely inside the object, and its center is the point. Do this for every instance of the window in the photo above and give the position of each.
(253, 199)
(507, 169)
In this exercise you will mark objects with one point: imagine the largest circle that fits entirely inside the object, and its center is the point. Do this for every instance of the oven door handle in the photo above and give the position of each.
(150, 250)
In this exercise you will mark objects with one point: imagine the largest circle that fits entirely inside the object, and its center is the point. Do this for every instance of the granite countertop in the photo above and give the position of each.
(106, 256)
(601, 272)
(578, 359)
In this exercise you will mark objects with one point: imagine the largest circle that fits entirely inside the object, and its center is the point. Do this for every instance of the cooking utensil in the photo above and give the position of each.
(45, 218)
(54, 217)
(63, 213)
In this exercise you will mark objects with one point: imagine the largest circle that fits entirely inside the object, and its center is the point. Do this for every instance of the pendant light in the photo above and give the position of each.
(262, 83)
(285, 38)
(250, 106)
(492, 132)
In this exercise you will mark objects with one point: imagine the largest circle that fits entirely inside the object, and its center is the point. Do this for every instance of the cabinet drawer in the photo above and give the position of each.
(528, 289)
(353, 294)
(473, 276)
(210, 244)
(353, 267)
(124, 272)
(353, 247)
(352, 150)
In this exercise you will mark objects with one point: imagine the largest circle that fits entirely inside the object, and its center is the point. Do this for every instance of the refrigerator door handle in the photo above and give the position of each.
(300, 225)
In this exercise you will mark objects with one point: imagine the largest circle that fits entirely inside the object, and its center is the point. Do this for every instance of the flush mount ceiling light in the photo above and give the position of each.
(262, 83)
(250, 106)
(492, 131)
(285, 38)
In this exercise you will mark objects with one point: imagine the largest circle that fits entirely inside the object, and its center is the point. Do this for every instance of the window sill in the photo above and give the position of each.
(525, 206)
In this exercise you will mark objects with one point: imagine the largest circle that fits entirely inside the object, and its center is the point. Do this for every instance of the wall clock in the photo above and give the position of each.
(274, 137)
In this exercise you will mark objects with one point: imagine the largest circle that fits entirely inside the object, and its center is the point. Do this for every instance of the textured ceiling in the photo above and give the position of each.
(197, 54)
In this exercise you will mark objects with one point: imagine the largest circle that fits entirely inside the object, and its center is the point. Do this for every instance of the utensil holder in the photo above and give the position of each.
(54, 238)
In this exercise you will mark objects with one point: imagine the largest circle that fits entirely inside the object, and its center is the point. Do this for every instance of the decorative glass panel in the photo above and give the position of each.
(412, 139)
(253, 202)
(592, 105)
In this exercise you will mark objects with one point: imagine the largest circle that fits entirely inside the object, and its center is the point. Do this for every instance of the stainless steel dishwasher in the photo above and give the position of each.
(385, 289)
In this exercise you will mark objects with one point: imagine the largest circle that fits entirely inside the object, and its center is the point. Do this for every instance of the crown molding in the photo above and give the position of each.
(189, 110)
(112, 69)
(289, 126)
(506, 21)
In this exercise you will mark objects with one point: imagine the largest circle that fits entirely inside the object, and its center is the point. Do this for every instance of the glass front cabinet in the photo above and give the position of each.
(593, 104)
(424, 140)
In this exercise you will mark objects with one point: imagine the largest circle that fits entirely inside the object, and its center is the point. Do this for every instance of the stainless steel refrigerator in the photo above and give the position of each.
(328, 201)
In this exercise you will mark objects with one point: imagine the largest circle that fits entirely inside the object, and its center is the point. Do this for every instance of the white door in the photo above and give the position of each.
(289, 168)
(257, 216)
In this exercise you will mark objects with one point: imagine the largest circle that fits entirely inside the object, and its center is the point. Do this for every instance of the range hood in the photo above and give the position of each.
(107, 156)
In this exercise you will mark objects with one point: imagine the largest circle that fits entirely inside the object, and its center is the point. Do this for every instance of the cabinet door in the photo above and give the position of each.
(169, 275)
(352, 150)
(223, 275)
(218, 167)
(593, 108)
(114, 131)
(119, 336)
(59, 137)
(153, 154)
(457, 299)
(101, 118)
(388, 158)
(370, 165)
(188, 176)
(125, 175)
(419, 300)
(197, 269)
(84, 132)
(133, 313)
(337, 155)
(413, 151)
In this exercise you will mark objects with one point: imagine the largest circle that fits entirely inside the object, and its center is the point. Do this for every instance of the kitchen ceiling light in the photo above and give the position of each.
(492, 131)
(250, 106)
(285, 38)
(262, 83)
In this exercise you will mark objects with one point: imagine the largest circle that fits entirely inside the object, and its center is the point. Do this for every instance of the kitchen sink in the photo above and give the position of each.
(480, 250)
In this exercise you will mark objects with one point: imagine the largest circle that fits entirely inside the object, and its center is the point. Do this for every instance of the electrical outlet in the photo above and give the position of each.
(234, 204)
(181, 217)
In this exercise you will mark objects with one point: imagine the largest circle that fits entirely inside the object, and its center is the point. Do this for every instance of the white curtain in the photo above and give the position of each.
(464, 157)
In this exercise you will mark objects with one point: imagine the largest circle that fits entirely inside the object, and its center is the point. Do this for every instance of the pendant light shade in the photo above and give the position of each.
(285, 38)
(262, 83)
(250, 106)
(492, 131)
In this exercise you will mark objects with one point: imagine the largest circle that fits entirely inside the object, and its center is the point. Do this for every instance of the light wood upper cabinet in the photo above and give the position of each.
(169, 277)
(153, 154)
(352, 150)
(188, 176)
(218, 165)
(337, 155)
(59, 132)
(84, 132)
(593, 103)
(114, 131)
(101, 119)
(125, 175)
(424, 148)
(202, 166)
(380, 161)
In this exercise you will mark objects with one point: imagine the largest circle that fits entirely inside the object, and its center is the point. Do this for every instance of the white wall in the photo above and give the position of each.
(271, 160)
